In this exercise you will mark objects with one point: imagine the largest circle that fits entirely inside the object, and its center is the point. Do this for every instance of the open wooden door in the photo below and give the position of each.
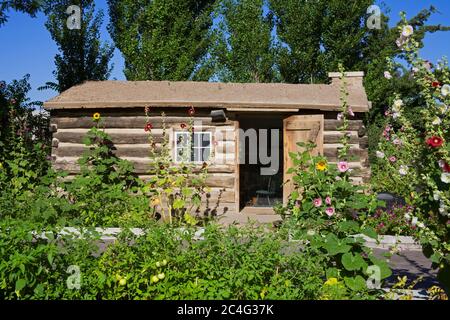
(300, 129)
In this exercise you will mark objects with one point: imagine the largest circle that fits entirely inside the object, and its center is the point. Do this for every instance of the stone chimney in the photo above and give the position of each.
(354, 78)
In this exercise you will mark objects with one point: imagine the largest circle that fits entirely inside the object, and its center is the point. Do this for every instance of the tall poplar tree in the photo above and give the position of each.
(244, 48)
(162, 39)
(82, 55)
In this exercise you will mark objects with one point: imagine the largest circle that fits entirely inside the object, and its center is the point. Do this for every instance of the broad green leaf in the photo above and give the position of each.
(352, 262)
(20, 284)
(356, 284)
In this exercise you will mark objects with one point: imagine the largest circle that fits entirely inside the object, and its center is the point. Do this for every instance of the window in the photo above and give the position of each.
(199, 149)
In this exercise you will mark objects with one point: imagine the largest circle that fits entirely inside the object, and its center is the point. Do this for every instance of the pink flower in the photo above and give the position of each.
(350, 112)
(317, 202)
(343, 166)
(340, 116)
(330, 211)
(392, 159)
(328, 201)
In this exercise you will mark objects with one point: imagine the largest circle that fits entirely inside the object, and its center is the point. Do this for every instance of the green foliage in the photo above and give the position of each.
(175, 188)
(24, 139)
(81, 55)
(417, 157)
(106, 191)
(165, 263)
(395, 221)
(30, 7)
(162, 40)
(244, 50)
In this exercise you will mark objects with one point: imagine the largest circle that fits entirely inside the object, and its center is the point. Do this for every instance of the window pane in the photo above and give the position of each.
(197, 155)
(205, 154)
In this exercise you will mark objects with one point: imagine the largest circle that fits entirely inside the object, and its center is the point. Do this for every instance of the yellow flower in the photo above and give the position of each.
(321, 165)
(331, 282)
(155, 202)
(1, 165)
(96, 116)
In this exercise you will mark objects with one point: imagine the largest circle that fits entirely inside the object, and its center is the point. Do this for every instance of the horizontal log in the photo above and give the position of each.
(132, 122)
(364, 142)
(334, 125)
(123, 150)
(118, 136)
(331, 153)
(141, 166)
(330, 137)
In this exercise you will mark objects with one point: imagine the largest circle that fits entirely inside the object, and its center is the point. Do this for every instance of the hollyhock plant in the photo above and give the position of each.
(407, 31)
(330, 211)
(317, 202)
(436, 84)
(418, 179)
(445, 90)
(380, 154)
(435, 142)
(343, 166)
(148, 127)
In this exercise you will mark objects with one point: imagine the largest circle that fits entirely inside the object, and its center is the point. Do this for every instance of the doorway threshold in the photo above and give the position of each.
(258, 210)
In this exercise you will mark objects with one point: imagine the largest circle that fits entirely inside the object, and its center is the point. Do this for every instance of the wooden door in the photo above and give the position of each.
(300, 129)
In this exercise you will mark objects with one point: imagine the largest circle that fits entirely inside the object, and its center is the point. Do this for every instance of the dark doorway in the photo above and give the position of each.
(260, 189)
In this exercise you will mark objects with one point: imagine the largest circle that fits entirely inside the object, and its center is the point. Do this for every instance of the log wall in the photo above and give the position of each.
(126, 128)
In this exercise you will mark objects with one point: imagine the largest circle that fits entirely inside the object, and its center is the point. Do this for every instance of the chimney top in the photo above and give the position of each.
(352, 77)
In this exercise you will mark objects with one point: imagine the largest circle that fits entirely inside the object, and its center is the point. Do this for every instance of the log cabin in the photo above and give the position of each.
(234, 122)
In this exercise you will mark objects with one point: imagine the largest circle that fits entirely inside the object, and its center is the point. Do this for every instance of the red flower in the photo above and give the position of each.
(148, 127)
(436, 84)
(435, 142)
(183, 125)
(191, 111)
(446, 167)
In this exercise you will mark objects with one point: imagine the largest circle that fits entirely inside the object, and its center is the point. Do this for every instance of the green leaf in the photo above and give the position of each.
(178, 204)
(332, 273)
(20, 284)
(335, 246)
(352, 262)
(370, 232)
(356, 284)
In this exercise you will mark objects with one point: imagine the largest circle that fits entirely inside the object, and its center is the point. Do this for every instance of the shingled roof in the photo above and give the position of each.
(125, 94)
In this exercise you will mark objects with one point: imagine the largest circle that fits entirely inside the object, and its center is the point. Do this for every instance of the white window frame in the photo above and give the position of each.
(191, 148)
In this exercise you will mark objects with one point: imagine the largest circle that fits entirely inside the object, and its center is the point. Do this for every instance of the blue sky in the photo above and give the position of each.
(26, 46)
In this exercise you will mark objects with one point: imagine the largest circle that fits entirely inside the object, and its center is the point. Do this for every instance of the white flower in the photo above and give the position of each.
(407, 216)
(437, 121)
(436, 195)
(398, 104)
(445, 177)
(414, 221)
(395, 115)
(387, 75)
(442, 211)
(445, 90)
(407, 31)
(380, 154)
(420, 225)
(441, 163)
(403, 170)
(443, 109)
